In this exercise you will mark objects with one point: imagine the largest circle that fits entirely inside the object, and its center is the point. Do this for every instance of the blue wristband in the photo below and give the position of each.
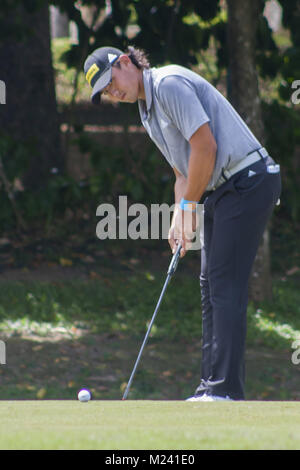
(184, 205)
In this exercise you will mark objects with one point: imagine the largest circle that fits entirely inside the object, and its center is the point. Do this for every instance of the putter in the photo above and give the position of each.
(171, 271)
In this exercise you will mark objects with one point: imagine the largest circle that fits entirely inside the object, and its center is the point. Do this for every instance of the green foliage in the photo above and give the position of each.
(290, 72)
(268, 57)
(161, 28)
(14, 155)
(282, 124)
(291, 18)
(290, 65)
(59, 193)
(123, 176)
(126, 172)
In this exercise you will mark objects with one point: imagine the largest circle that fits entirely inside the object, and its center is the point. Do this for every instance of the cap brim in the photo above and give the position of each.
(100, 84)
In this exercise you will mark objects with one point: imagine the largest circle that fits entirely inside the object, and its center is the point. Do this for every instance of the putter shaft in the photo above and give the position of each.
(171, 270)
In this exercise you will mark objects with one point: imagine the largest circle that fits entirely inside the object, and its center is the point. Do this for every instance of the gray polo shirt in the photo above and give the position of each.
(178, 102)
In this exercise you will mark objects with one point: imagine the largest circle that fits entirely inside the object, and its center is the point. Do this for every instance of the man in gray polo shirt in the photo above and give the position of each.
(216, 160)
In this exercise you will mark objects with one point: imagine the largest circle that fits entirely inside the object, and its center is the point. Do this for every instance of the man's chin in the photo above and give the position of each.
(128, 99)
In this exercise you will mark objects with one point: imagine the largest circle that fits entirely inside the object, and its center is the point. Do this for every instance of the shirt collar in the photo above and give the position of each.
(148, 86)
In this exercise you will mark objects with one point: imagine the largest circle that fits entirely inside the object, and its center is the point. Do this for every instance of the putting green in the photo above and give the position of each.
(149, 425)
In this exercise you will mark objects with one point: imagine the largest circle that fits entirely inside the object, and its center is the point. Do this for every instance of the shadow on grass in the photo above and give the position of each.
(43, 369)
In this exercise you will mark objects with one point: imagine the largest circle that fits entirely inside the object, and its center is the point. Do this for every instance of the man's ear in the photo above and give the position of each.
(124, 59)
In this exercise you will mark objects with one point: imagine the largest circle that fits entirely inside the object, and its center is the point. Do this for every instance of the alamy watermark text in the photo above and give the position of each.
(2, 352)
(2, 92)
(296, 353)
(138, 221)
(296, 95)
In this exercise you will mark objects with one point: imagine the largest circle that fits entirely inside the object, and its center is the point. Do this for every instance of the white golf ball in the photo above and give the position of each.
(84, 395)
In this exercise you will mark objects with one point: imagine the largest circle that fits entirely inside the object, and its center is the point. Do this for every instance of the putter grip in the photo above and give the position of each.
(174, 261)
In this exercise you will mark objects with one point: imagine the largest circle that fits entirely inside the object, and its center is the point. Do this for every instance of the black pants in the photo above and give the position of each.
(235, 216)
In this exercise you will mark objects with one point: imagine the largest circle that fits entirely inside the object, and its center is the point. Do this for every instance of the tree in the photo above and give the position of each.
(30, 115)
(243, 20)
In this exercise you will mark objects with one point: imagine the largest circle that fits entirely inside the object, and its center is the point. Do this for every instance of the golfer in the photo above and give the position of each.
(216, 160)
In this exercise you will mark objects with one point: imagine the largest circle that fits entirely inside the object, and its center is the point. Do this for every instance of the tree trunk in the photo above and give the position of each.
(244, 95)
(30, 114)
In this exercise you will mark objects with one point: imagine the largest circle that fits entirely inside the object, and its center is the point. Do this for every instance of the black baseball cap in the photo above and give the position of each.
(97, 69)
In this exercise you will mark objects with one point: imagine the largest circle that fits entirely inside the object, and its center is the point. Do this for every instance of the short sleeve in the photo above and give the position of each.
(181, 103)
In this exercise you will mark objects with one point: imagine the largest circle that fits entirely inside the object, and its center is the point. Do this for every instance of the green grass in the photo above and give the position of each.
(149, 425)
(61, 336)
(119, 303)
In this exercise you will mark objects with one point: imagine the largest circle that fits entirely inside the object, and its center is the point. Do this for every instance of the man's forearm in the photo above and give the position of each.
(180, 188)
(201, 162)
(201, 166)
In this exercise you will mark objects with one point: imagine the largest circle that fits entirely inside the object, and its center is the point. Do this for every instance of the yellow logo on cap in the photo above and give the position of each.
(91, 72)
